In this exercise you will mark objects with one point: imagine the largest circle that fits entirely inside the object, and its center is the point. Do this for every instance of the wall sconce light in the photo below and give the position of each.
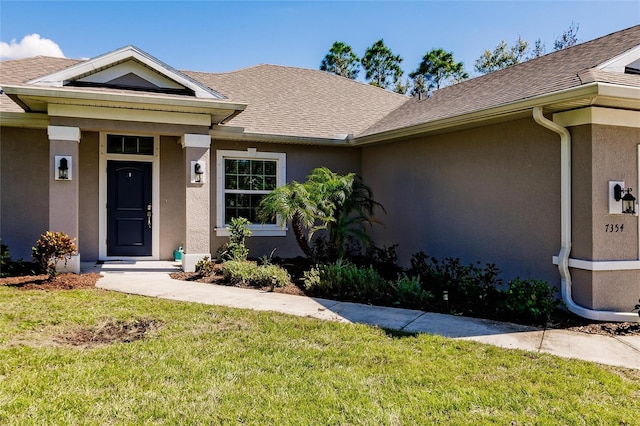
(63, 167)
(197, 172)
(628, 200)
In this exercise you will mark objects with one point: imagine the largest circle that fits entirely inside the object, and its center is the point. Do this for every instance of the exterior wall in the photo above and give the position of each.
(489, 194)
(89, 170)
(172, 196)
(300, 161)
(602, 154)
(24, 188)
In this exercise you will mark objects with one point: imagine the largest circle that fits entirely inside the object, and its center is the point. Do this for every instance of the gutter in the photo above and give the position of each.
(565, 228)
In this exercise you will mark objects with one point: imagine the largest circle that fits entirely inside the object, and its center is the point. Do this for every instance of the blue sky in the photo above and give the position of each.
(219, 36)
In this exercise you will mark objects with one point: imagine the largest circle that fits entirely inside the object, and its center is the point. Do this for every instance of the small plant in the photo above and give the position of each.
(51, 248)
(239, 230)
(408, 292)
(532, 301)
(254, 275)
(206, 267)
(5, 260)
(637, 307)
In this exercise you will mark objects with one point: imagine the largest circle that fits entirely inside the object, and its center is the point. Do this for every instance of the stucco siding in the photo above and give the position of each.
(490, 194)
(172, 196)
(89, 164)
(24, 188)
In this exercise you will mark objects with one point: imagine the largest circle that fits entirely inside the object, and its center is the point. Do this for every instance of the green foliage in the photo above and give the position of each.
(346, 281)
(472, 289)
(5, 260)
(408, 293)
(343, 205)
(568, 38)
(438, 69)
(530, 301)
(382, 67)
(637, 307)
(239, 232)
(206, 267)
(341, 61)
(250, 273)
(51, 248)
(502, 56)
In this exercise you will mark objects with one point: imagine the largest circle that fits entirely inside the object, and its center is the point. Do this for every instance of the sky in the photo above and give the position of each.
(220, 36)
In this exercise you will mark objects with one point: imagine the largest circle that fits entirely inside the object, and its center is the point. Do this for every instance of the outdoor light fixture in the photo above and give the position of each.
(63, 167)
(197, 172)
(628, 200)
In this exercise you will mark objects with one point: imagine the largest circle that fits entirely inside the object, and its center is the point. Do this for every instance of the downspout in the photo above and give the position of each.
(565, 228)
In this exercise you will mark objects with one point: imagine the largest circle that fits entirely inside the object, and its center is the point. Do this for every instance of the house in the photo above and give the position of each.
(525, 167)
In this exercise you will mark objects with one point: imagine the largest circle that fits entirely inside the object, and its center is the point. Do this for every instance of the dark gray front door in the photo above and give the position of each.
(129, 208)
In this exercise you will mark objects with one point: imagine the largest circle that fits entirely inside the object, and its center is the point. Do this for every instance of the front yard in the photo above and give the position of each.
(94, 357)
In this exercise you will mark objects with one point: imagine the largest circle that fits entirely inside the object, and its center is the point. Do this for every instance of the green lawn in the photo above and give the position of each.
(212, 365)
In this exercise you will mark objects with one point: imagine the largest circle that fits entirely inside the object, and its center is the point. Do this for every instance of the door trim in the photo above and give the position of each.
(155, 195)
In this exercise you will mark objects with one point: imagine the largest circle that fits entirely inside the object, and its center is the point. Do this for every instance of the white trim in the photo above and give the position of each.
(81, 70)
(602, 265)
(102, 197)
(63, 133)
(190, 140)
(131, 67)
(598, 115)
(638, 206)
(267, 230)
(138, 115)
(621, 61)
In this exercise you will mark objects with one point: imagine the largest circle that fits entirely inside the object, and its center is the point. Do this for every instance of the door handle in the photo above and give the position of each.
(149, 212)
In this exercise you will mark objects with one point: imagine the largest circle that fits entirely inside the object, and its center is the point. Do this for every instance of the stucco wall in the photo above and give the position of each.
(300, 161)
(489, 194)
(172, 196)
(24, 188)
(89, 164)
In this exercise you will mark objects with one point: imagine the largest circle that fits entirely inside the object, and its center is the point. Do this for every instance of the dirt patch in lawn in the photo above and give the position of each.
(60, 282)
(107, 332)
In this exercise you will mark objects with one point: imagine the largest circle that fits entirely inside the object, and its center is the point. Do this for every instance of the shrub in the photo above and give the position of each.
(346, 281)
(206, 267)
(239, 230)
(51, 248)
(5, 260)
(408, 292)
(472, 289)
(254, 275)
(531, 301)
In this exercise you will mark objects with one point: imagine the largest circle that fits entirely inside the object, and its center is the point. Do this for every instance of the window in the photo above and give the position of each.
(243, 179)
(140, 145)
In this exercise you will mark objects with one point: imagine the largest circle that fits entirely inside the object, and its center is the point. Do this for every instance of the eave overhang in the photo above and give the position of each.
(229, 133)
(593, 94)
(47, 100)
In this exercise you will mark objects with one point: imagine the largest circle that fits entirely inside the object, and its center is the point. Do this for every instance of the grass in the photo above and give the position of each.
(215, 365)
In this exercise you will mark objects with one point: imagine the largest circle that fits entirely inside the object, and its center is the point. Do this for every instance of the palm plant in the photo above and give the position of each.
(326, 200)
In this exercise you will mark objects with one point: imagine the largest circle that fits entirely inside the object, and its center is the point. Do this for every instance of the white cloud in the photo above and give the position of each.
(30, 45)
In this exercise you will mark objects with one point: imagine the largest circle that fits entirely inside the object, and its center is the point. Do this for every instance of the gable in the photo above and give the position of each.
(128, 68)
(628, 62)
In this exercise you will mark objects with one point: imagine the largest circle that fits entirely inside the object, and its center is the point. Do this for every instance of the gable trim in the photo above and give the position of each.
(83, 69)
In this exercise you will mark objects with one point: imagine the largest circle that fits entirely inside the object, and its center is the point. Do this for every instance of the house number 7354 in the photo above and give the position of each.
(610, 227)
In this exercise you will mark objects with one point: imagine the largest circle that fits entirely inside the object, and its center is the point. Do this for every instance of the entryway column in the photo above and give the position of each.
(197, 203)
(64, 187)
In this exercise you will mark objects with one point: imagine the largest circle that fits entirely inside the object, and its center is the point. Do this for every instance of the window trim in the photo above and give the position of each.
(267, 230)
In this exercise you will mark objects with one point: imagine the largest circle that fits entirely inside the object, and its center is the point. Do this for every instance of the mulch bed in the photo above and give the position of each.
(60, 282)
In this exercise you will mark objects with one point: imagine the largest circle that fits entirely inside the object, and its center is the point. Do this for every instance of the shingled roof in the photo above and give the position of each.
(564, 69)
(303, 103)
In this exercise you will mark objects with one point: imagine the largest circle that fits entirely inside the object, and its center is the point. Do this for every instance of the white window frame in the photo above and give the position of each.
(267, 230)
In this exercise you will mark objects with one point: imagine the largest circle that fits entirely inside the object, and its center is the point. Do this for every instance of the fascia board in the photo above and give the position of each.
(588, 91)
(24, 120)
(618, 63)
(219, 133)
(161, 103)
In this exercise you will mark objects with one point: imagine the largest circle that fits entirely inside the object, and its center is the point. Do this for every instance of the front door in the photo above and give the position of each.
(129, 208)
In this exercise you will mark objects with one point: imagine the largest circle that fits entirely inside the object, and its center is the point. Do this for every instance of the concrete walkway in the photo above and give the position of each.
(152, 279)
